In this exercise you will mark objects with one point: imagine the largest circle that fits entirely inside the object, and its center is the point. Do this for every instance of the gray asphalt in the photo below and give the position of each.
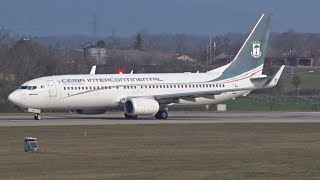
(174, 118)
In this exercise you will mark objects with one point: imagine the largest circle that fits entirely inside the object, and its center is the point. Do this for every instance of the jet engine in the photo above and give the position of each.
(90, 111)
(141, 106)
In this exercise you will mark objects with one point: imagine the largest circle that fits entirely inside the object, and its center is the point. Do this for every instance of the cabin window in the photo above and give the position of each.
(68, 88)
(64, 88)
(23, 87)
(117, 87)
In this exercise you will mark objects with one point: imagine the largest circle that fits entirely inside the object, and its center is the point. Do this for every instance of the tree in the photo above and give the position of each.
(101, 44)
(138, 44)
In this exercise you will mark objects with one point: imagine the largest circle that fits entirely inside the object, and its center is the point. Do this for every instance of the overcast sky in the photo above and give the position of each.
(201, 17)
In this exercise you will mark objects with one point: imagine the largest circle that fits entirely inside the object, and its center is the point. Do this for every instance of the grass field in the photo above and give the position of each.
(207, 151)
(263, 102)
(309, 80)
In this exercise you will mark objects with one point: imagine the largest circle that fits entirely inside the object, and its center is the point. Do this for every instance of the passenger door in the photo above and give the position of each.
(52, 88)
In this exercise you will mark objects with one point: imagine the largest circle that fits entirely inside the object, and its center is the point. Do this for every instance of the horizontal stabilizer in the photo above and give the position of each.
(274, 81)
(259, 77)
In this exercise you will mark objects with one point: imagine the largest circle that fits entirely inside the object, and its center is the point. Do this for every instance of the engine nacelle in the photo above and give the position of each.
(141, 106)
(90, 111)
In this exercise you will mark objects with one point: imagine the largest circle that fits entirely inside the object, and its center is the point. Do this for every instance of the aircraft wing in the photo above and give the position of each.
(189, 96)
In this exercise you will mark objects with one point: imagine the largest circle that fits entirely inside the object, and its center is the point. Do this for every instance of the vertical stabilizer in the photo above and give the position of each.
(252, 53)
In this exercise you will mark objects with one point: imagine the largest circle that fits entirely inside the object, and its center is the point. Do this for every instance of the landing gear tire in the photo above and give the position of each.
(130, 116)
(161, 115)
(37, 116)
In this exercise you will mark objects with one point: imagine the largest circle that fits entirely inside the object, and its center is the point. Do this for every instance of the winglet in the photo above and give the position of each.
(93, 69)
(275, 79)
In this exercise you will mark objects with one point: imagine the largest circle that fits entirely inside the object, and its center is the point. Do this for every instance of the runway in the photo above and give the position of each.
(174, 118)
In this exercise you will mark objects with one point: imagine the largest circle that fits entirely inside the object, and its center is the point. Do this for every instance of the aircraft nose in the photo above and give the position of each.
(14, 98)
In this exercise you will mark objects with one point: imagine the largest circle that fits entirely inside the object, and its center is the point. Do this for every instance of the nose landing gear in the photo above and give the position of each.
(37, 116)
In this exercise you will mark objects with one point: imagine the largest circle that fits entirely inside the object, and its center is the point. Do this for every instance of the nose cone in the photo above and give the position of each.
(14, 98)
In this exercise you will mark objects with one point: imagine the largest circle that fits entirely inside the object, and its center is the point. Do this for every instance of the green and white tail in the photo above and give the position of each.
(250, 57)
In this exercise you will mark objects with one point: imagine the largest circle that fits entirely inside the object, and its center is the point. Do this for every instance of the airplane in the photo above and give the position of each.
(152, 94)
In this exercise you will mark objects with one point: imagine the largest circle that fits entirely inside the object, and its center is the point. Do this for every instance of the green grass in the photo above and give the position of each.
(309, 80)
(197, 151)
(261, 102)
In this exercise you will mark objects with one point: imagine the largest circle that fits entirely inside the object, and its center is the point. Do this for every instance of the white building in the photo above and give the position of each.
(186, 58)
(98, 54)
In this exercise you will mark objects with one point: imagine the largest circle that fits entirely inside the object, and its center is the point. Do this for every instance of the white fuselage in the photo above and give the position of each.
(108, 90)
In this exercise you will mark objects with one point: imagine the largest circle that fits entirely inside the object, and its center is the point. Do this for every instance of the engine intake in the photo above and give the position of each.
(141, 106)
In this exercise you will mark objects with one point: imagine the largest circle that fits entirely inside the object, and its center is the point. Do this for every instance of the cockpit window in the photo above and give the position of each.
(23, 87)
(32, 87)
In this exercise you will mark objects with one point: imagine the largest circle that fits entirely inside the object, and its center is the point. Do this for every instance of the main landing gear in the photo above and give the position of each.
(161, 114)
(37, 116)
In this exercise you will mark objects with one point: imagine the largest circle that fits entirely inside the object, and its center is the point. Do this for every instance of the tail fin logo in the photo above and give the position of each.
(256, 49)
